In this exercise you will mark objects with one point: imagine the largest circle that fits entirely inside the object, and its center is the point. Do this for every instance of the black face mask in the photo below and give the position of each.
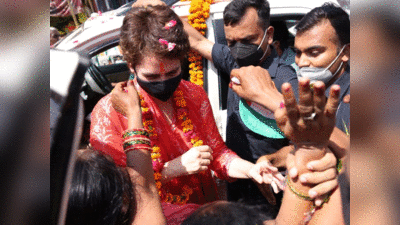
(162, 90)
(248, 54)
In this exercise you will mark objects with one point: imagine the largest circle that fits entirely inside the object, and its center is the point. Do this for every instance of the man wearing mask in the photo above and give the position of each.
(322, 46)
(251, 129)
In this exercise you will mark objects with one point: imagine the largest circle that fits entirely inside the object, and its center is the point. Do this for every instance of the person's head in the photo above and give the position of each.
(281, 35)
(100, 192)
(224, 213)
(248, 31)
(323, 41)
(154, 44)
(54, 36)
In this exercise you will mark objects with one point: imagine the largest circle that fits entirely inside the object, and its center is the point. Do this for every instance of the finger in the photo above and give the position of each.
(205, 162)
(346, 99)
(318, 177)
(280, 183)
(205, 155)
(318, 201)
(274, 187)
(322, 189)
(328, 161)
(319, 98)
(279, 176)
(290, 103)
(290, 165)
(306, 102)
(204, 148)
(235, 80)
(256, 176)
(333, 101)
(203, 168)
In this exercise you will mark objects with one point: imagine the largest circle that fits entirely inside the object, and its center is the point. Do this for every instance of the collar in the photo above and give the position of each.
(271, 63)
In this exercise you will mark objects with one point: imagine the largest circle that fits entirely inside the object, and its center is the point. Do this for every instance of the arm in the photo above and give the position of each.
(198, 42)
(139, 163)
(311, 138)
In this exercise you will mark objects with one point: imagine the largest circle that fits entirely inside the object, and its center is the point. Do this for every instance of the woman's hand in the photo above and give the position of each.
(125, 98)
(195, 160)
(313, 119)
(264, 173)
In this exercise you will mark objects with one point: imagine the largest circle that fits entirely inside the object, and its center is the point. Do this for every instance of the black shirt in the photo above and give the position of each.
(248, 144)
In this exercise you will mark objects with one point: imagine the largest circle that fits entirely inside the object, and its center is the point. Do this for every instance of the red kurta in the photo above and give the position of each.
(107, 127)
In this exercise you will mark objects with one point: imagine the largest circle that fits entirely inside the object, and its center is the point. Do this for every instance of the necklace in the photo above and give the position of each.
(187, 127)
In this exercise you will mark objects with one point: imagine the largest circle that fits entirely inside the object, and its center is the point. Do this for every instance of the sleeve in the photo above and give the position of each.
(105, 131)
(223, 59)
(288, 74)
(222, 155)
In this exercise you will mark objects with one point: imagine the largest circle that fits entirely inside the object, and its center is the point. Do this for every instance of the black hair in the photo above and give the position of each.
(100, 193)
(281, 33)
(226, 213)
(338, 18)
(235, 11)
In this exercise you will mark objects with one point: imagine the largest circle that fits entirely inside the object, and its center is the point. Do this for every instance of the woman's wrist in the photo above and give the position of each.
(135, 119)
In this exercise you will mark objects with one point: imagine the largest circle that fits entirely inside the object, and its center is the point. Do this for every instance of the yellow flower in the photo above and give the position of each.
(158, 185)
(157, 176)
(156, 149)
(198, 143)
(155, 155)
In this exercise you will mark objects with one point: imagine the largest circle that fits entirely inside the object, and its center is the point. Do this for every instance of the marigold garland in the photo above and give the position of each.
(199, 12)
(187, 127)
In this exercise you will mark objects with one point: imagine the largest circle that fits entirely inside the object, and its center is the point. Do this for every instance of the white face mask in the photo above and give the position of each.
(320, 74)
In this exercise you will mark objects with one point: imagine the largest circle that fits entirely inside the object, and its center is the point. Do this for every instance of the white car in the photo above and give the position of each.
(99, 37)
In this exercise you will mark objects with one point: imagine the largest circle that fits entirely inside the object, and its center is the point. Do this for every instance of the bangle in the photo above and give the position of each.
(308, 215)
(300, 195)
(132, 132)
(130, 143)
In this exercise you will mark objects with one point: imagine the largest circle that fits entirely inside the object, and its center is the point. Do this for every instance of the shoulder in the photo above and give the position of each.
(192, 91)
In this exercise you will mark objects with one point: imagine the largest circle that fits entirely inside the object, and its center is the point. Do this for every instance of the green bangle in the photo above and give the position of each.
(130, 143)
(136, 132)
(300, 195)
(339, 165)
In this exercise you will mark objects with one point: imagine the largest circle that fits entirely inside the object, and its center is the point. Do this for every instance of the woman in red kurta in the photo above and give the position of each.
(108, 126)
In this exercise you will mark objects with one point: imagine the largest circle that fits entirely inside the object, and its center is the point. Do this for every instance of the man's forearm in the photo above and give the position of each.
(197, 41)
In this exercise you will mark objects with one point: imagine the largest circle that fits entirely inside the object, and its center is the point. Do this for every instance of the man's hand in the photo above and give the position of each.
(140, 3)
(323, 175)
(255, 84)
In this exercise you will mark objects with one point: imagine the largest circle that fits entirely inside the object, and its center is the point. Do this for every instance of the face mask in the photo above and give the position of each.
(320, 74)
(162, 90)
(248, 54)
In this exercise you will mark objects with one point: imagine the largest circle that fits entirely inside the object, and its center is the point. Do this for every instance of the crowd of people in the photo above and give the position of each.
(156, 150)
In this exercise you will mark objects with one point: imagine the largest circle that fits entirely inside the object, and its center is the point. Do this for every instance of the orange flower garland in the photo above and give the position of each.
(187, 128)
(199, 13)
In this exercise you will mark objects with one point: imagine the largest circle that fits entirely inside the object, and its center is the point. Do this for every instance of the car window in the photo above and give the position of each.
(109, 57)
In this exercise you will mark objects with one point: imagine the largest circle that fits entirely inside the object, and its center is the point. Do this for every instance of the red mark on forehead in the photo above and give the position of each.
(162, 68)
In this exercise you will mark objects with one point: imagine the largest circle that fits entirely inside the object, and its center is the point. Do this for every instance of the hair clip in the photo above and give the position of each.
(170, 24)
(169, 45)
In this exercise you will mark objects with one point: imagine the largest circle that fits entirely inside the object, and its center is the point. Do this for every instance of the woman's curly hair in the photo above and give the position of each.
(144, 26)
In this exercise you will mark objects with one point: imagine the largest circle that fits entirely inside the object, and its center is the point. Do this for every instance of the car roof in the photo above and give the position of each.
(105, 29)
